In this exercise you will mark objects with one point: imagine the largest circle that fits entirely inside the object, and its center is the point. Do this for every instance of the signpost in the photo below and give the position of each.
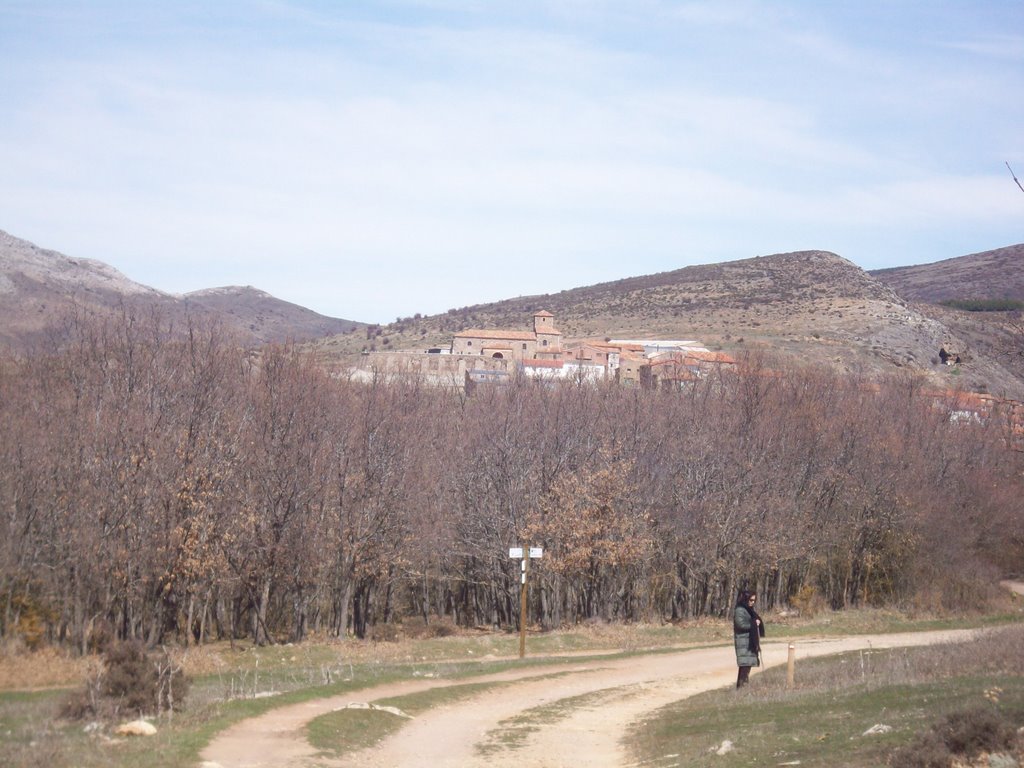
(517, 553)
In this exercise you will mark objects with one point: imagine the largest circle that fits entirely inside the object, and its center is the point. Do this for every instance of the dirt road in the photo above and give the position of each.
(584, 731)
(1014, 586)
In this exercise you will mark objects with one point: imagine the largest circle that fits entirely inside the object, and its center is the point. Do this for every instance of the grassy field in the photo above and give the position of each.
(824, 720)
(232, 683)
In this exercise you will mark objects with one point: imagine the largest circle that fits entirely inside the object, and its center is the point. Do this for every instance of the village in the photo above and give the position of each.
(482, 356)
(494, 356)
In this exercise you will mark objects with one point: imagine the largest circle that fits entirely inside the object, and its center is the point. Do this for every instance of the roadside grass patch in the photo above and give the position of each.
(822, 722)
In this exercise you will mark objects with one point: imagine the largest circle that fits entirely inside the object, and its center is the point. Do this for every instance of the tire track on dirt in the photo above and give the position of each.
(448, 736)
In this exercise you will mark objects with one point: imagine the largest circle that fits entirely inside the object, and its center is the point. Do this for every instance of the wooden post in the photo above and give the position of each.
(525, 554)
(522, 603)
(791, 667)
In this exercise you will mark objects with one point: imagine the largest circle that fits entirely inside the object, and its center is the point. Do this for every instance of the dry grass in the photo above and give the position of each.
(996, 652)
(319, 660)
(46, 668)
(823, 722)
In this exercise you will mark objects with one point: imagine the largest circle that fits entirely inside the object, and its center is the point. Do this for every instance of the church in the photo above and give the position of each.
(543, 343)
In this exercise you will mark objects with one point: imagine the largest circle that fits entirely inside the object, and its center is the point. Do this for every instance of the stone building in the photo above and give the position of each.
(543, 343)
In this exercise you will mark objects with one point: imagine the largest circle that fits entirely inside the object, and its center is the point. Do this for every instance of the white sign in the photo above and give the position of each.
(517, 552)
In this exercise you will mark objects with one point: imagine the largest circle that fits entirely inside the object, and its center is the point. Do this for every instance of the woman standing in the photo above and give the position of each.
(748, 629)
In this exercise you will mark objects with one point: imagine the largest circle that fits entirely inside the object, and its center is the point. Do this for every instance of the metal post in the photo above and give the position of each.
(791, 667)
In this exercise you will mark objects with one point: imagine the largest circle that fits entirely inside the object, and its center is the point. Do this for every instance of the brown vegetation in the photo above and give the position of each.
(164, 488)
(132, 682)
(993, 274)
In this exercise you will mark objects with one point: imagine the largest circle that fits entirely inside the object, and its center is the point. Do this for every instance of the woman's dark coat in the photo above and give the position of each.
(747, 634)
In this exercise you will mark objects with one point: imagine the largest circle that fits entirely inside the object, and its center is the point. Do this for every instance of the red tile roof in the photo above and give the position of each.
(709, 357)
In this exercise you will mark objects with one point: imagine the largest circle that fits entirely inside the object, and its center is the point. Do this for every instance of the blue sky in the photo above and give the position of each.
(371, 160)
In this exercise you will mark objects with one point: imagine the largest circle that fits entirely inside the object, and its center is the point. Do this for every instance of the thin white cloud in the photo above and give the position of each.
(1008, 47)
(327, 154)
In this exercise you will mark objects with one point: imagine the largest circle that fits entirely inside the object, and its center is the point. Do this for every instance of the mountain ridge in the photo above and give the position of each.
(38, 286)
(810, 307)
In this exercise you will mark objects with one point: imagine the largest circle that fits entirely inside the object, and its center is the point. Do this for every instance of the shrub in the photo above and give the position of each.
(978, 729)
(807, 601)
(132, 682)
(101, 636)
(384, 633)
(31, 618)
(79, 704)
(963, 733)
(926, 751)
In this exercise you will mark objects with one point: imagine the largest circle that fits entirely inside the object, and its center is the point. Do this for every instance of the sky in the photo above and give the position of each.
(373, 160)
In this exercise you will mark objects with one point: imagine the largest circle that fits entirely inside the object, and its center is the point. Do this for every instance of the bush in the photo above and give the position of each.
(978, 729)
(383, 633)
(964, 733)
(926, 751)
(31, 618)
(132, 682)
(79, 704)
(808, 601)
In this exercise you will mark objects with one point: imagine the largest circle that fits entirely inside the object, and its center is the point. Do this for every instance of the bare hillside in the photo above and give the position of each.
(266, 317)
(813, 306)
(997, 274)
(39, 286)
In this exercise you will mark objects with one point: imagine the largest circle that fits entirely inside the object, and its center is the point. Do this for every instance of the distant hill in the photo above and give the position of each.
(813, 307)
(810, 307)
(997, 274)
(38, 286)
(265, 317)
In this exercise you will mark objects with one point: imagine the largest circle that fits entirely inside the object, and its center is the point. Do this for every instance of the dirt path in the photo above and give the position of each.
(1014, 586)
(587, 731)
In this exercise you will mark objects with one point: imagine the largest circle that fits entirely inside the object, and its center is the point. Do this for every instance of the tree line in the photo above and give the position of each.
(163, 483)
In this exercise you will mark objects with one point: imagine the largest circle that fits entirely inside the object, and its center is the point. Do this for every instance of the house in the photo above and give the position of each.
(678, 368)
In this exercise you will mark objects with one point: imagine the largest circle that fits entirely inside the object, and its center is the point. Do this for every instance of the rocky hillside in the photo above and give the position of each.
(994, 278)
(39, 286)
(813, 307)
